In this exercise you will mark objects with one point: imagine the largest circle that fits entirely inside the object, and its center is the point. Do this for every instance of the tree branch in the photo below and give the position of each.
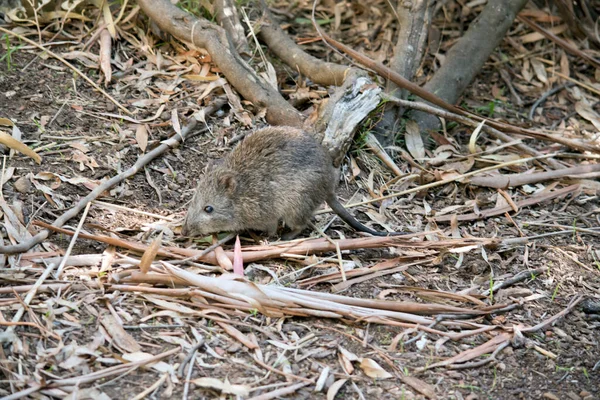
(321, 72)
(213, 38)
(467, 56)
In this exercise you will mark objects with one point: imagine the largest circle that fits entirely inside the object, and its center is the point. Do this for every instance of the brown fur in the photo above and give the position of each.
(275, 174)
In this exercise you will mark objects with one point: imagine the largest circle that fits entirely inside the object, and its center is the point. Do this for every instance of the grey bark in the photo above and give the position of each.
(227, 16)
(414, 18)
(467, 56)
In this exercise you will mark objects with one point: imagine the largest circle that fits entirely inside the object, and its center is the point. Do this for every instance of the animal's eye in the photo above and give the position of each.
(208, 209)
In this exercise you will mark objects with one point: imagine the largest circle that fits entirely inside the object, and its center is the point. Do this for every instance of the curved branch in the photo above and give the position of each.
(213, 38)
(321, 72)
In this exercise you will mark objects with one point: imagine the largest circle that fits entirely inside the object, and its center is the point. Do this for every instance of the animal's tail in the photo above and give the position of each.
(341, 211)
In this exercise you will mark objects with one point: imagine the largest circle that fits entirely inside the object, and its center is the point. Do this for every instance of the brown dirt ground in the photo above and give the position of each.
(45, 89)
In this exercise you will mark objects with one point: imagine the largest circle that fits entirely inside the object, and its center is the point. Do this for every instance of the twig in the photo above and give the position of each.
(545, 96)
(502, 209)
(118, 207)
(206, 251)
(420, 106)
(278, 372)
(203, 33)
(403, 83)
(190, 358)
(9, 333)
(152, 387)
(25, 392)
(551, 320)
(278, 393)
(72, 243)
(570, 229)
(480, 363)
(531, 273)
(318, 70)
(191, 355)
(500, 181)
(444, 181)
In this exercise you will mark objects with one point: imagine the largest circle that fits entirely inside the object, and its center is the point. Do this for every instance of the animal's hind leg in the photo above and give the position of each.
(296, 227)
(291, 234)
(271, 228)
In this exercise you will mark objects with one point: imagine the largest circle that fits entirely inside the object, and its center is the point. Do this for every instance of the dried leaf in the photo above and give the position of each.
(14, 144)
(6, 122)
(159, 366)
(474, 136)
(414, 141)
(8, 174)
(105, 52)
(239, 336)
(420, 386)
(79, 146)
(224, 387)
(565, 69)
(350, 356)
(175, 122)
(84, 160)
(271, 76)
(373, 370)
(120, 338)
(526, 71)
(461, 167)
(150, 254)
(585, 110)
(540, 70)
(171, 306)
(108, 19)
(335, 388)
(536, 36)
(322, 379)
(141, 137)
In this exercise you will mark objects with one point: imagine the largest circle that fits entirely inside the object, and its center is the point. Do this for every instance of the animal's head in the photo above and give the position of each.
(212, 208)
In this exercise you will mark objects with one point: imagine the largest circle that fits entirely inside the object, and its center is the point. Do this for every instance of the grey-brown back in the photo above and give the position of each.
(276, 173)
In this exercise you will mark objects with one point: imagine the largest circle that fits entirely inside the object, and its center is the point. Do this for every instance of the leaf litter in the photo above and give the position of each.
(124, 301)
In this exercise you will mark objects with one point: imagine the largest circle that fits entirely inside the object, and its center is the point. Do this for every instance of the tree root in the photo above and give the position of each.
(213, 38)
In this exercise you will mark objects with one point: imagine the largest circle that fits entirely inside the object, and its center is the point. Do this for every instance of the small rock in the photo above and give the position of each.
(585, 395)
(550, 396)
(559, 332)
(22, 185)
(173, 186)
(573, 396)
(590, 306)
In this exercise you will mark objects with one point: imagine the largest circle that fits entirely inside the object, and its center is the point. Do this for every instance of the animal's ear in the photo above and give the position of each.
(228, 182)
